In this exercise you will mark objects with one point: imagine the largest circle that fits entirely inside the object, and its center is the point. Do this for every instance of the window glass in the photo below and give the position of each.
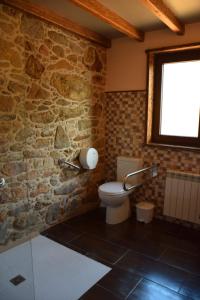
(180, 99)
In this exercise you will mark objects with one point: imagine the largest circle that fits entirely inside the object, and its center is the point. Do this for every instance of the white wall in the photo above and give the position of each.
(127, 59)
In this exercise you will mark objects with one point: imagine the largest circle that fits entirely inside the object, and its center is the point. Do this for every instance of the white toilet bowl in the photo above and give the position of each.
(112, 194)
(116, 200)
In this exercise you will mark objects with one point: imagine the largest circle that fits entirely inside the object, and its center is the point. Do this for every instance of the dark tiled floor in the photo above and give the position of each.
(183, 260)
(120, 282)
(153, 270)
(156, 261)
(99, 293)
(61, 233)
(191, 287)
(148, 290)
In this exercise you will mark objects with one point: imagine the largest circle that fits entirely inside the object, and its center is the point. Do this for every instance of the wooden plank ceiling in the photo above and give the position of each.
(105, 14)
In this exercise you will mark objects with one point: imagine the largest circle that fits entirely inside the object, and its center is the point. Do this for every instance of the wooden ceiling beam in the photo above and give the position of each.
(158, 8)
(102, 12)
(50, 16)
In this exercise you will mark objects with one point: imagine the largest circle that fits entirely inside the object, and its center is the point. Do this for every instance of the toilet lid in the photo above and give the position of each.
(113, 187)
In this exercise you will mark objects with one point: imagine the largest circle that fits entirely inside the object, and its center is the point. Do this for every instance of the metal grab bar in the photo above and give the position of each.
(154, 173)
(62, 161)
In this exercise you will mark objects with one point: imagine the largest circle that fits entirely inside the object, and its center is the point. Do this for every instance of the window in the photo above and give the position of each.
(174, 96)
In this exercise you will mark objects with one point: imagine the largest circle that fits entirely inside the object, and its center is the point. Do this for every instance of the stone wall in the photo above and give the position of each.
(51, 106)
(126, 135)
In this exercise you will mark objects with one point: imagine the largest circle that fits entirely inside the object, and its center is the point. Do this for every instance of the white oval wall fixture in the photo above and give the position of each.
(88, 158)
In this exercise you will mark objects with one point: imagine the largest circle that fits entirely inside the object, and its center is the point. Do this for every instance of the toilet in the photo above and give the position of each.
(113, 196)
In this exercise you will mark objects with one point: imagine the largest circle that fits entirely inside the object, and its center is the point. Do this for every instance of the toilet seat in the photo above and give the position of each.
(113, 188)
(116, 200)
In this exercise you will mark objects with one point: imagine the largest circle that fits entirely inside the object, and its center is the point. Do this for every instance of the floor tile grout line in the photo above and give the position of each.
(134, 288)
(116, 243)
(85, 232)
(146, 278)
(146, 255)
(181, 286)
(176, 292)
(183, 282)
(165, 263)
(103, 260)
(122, 256)
(128, 250)
(165, 250)
(77, 237)
(105, 240)
(179, 268)
(62, 241)
(74, 238)
(169, 246)
(97, 256)
(86, 253)
(106, 289)
(101, 239)
(181, 250)
(77, 249)
(143, 254)
(155, 259)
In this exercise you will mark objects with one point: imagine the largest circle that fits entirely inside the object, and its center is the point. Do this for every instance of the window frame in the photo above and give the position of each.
(156, 58)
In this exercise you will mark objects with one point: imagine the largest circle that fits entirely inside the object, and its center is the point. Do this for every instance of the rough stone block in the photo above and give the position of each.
(7, 103)
(65, 188)
(71, 86)
(58, 38)
(32, 26)
(34, 68)
(61, 138)
(42, 117)
(14, 168)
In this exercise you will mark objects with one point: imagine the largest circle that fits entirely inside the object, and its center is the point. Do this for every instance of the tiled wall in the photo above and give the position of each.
(51, 106)
(125, 136)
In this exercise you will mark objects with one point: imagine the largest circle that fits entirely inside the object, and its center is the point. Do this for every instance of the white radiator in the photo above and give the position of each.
(182, 196)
